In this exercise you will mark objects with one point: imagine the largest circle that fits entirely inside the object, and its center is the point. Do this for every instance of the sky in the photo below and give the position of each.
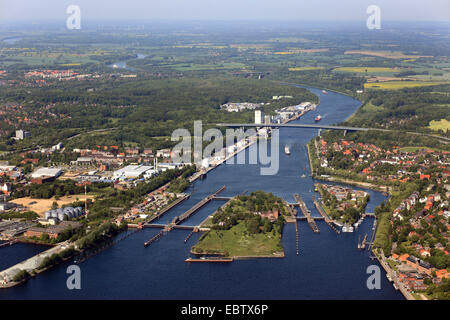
(299, 10)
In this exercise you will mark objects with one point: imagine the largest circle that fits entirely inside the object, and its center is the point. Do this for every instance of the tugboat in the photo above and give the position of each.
(318, 118)
(287, 150)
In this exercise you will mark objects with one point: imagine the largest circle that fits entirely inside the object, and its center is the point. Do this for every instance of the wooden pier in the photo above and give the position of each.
(9, 243)
(155, 238)
(296, 238)
(306, 213)
(362, 245)
(325, 216)
(374, 229)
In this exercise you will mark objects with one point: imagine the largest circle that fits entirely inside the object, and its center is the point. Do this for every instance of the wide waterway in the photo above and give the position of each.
(329, 266)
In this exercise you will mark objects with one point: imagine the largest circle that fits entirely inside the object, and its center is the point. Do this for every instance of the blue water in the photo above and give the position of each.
(329, 265)
(11, 255)
(123, 64)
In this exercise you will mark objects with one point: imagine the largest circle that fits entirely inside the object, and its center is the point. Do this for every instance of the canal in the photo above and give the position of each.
(329, 266)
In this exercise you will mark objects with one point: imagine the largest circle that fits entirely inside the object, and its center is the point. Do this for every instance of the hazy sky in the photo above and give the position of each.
(354, 10)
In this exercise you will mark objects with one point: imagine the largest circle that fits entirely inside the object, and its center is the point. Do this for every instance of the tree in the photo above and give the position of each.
(55, 205)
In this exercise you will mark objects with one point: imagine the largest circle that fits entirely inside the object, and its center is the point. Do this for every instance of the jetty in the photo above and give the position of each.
(362, 245)
(306, 213)
(209, 259)
(9, 243)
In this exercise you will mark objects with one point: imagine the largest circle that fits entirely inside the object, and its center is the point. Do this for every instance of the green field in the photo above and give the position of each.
(365, 69)
(201, 67)
(237, 242)
(366, 111)
(414, 149)
(305, 68)
(442, 124)
(394, 85)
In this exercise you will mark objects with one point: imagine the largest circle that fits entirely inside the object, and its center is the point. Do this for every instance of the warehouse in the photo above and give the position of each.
(46, 172)
(134, 172)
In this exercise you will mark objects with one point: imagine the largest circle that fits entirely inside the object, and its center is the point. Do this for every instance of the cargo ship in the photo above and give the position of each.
(287, 150)
(318, 118)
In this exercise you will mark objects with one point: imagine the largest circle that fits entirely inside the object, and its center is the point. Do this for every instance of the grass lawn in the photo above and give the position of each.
(237, 242)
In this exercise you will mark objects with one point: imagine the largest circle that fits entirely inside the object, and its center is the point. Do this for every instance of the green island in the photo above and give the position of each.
(343, 204)
(247, 226)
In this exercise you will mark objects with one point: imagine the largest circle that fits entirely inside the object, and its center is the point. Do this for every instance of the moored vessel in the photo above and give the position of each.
(287, 150)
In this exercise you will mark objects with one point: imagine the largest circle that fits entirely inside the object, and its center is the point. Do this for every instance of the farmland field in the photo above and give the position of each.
(442, 124)
(305, 68)
(385, 54)
(365, 69)
(41, 205)
(394, 85)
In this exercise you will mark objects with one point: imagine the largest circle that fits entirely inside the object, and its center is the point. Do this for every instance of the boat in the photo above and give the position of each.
(303, 176)
(115, 66)
(395, 287)
(318, 118)
(287, 150)
(347, 228)
(324, 92)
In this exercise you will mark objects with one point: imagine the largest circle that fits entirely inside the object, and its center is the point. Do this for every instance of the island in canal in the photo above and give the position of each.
(248, 226)
(343, 204)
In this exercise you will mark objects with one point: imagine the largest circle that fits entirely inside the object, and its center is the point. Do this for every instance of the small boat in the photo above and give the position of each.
(318, 118)
(115, 66)
(324, 92)
(287, 150)
(347, 228)
(303, 176)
